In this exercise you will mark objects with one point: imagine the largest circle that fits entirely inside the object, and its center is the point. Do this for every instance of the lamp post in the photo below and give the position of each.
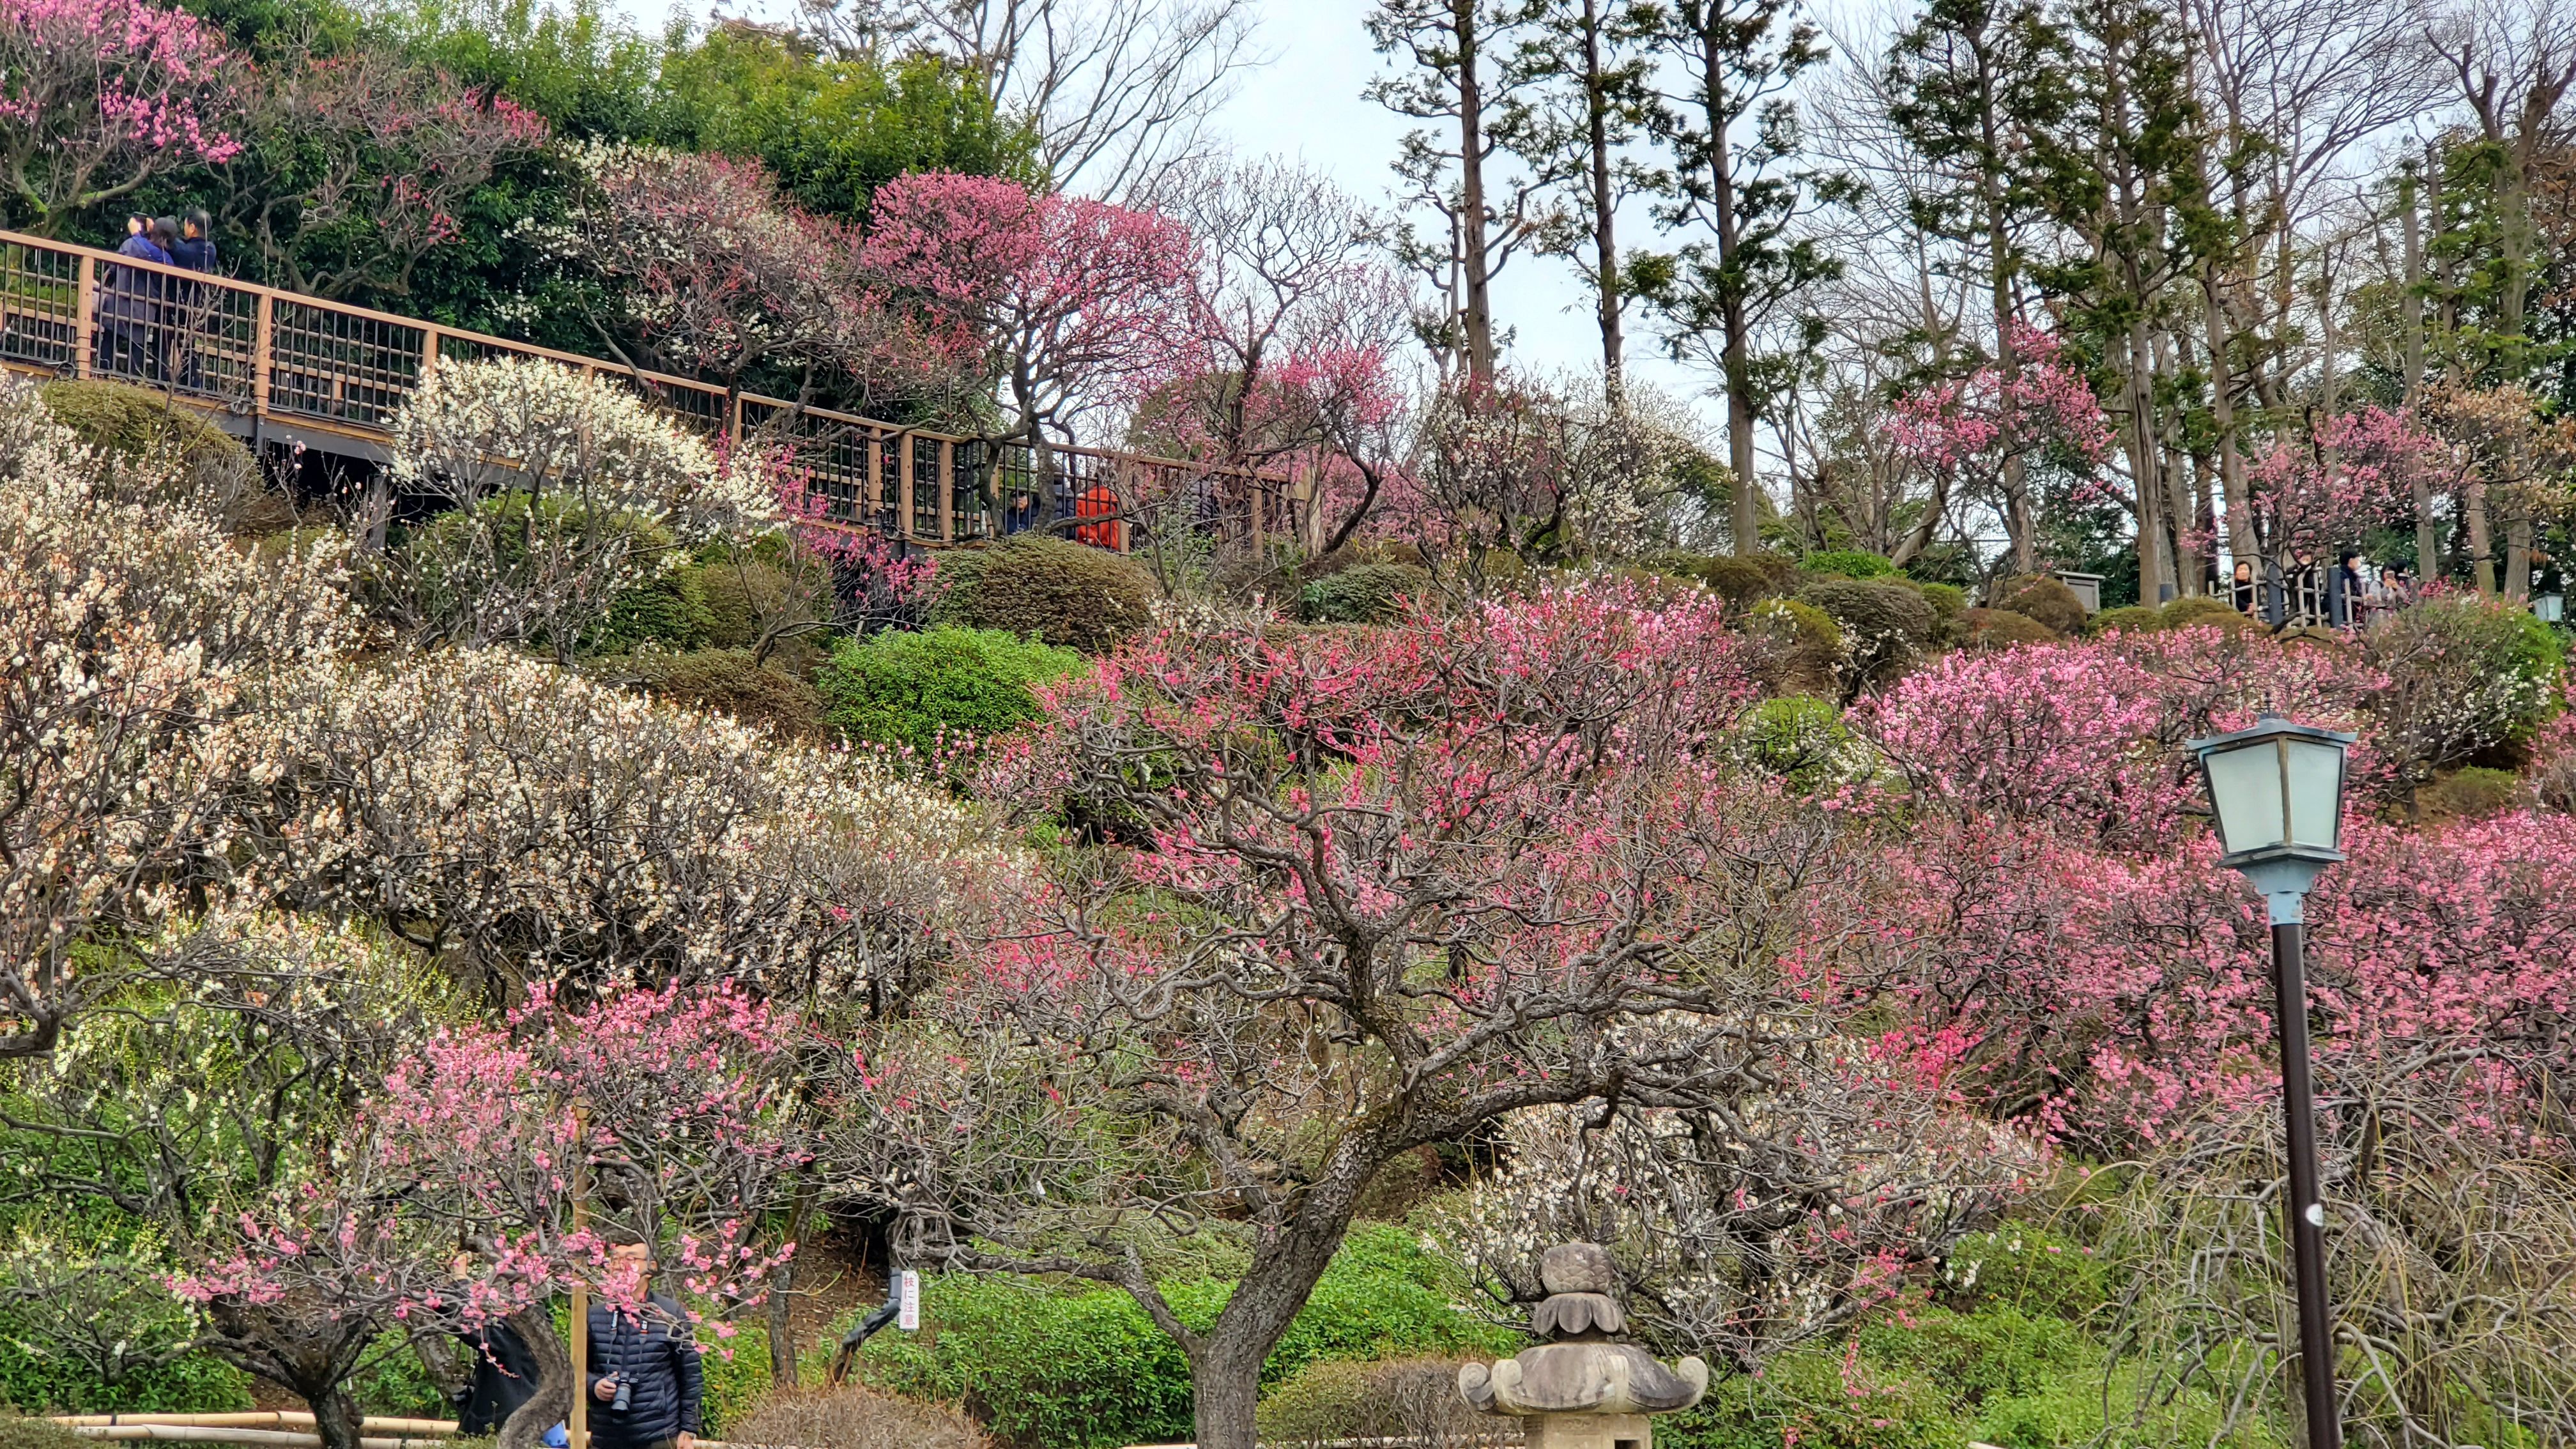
(2277, 791)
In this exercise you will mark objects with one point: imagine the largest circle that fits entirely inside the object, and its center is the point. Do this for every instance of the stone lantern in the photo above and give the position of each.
(1581, 1388)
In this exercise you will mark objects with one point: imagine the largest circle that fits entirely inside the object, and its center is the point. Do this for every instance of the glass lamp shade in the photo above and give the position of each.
(2276, 789)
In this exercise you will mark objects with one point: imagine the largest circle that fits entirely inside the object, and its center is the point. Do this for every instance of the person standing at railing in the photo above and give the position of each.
(128, 305)
(194, 250)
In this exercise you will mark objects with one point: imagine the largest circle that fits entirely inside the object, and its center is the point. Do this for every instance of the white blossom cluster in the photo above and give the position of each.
(513, 817)
(128, 631)
(566, 491)
(1740, 1231)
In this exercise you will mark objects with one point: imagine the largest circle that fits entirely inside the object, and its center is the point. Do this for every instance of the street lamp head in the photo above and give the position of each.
(2277, 792)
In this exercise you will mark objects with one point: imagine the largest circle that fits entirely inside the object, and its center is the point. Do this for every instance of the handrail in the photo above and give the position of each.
(306, 361)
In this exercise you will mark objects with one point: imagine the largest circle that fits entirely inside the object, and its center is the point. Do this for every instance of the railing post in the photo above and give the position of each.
(428, 357)
(85, 319)
(872, 497)
(947, 490)
(1258, 496)
(903, 488)
(262, 337)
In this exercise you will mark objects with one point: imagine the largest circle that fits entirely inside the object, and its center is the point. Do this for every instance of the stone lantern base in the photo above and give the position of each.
(1588, 1431)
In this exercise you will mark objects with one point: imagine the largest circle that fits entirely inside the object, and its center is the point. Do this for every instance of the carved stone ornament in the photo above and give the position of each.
(1581, 1371)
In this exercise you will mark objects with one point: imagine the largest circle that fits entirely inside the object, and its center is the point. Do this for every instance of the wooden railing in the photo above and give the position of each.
(286, 363)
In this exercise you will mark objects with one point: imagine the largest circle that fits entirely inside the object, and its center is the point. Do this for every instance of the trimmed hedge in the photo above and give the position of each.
(1063, 593)
(2043, 598)
(184, 455)
(1808, 643)
(2127, 619)
(2202, 609)
(1740, 579)
(1047, 1368)
(1885, 625)
(1368, 593)
(2002, 629)
(726, 681)
(916, 691)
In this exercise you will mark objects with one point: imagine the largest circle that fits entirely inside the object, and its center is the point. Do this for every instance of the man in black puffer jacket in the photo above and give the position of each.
(651, 1357)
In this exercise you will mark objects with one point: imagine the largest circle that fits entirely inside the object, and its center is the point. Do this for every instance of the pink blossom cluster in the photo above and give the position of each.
(1969, 427)
(96, 76)
(2353, 472)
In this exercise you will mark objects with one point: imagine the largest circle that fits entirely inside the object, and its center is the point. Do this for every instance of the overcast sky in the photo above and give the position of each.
(1304, 102)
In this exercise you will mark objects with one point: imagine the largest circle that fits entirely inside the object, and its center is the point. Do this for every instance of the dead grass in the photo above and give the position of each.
(854, 1417)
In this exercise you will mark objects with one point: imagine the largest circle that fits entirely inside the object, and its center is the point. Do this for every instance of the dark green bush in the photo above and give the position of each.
(1850, 563)
(670, 611)
(2002, 629)
(726, 681)
(2128, 619)
(1369, 593)
(741, 593)
(914, 691)
(35, 1379)
(1064, 593)
(2043, 598)
(1885, 626)
(2188, 613)
(2472, 793)
(1806, 644)
(1054, 1369)
(1740, 579)
(1948, 601)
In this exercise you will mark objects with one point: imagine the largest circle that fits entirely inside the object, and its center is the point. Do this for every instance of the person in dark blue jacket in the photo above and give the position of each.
(129, 305)
(646, 1388)
(189, 301)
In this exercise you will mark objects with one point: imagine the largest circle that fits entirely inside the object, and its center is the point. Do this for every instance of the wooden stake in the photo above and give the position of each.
(577, 1423)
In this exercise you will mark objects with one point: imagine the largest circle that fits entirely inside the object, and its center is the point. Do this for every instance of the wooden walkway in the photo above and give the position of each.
(275, 366)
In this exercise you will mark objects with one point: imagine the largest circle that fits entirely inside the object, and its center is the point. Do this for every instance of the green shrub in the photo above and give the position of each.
(36, 1379)
(1337, 1402)
(146, 437)
(2002, 629)
(1369, 593)
(1805, 1398)
(392, 1381)
(2027, 1269)
(1064, 593)
(1086, 1369)
(907, 690)
(2202, 609)
(1740, 579)
(737, 1376)
(669, 611)
(726, 681)
(1807, 645)
(2472, 793)
(2129, 619)
(2043, 598)
(741, 594)
(1850, 563)
(1803, 742)
(2465, 676)
(1885, 625)
(1948, 601)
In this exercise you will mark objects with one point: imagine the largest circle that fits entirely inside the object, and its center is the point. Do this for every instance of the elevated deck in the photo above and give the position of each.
(281, 367)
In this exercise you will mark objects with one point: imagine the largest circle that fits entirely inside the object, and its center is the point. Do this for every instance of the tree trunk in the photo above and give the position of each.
(1226, 1388)
(1471, 181)
(782, 1328)
(2428, 542)
(336, 1419)
(2146, 477)
(2517, 558)
(2473, 501)
(1605, 203)
(2222, 409)
(552, 1402)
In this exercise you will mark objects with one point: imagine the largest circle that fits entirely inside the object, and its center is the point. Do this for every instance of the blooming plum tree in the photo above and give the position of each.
(133, 631)
(98, 97)
(566, 490)
(1078, 304)
(720, 276)
(1384, 889)
(1969, 433)
(2354, 472)
(519, 822)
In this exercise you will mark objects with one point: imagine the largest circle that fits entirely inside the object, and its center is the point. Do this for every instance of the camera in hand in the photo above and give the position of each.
(625, 1394)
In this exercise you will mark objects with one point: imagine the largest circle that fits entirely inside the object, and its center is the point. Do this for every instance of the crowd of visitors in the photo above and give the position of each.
(147, 321)
(2349, 594)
